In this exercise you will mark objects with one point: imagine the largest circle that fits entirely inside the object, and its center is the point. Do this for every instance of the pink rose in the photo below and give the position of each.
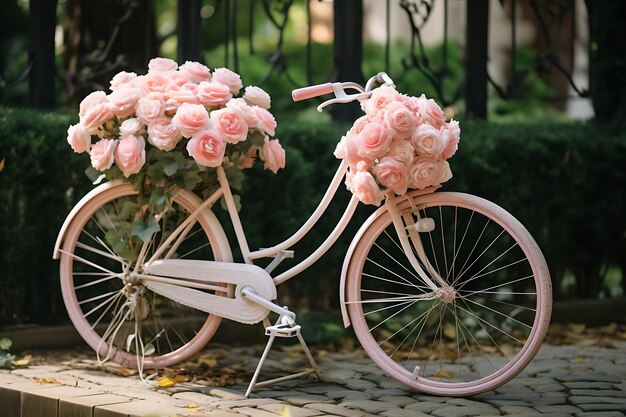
(450, 135)
(130, 154)
(78, 138)
(177, 79)
(122, 79)
(392, 174)
(184, 94)
(273, 154)
(380, 98)
(163, 135)
(102, 154)
(155, 82)
(399, 119)
(190, 119)
(150, 108)
(195, 71)
(231, 124)
(229, 78)
(359, 124)
(373, 141)
(122, 101)
(93, 99)
(401, 150)
(430, 112)
(427, 141)
(347, 149)
(340, 149)
(445, 173)
(162, 64)
(95, 115)
(364, 187)
(264, 121)
(424, 172)
(247, 111)
(412, 104)
(207, 148)
(131, 127)
(213, 94)
(257, 96)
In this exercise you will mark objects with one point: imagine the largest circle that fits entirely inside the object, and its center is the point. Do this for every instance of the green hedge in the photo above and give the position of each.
(565, 182)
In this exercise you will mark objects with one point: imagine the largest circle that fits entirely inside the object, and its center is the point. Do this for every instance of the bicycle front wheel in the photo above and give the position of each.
(123, 320)
(495, 313)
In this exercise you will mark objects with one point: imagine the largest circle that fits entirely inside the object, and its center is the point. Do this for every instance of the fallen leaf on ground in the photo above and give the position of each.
(24, 361)
(165, 382)
(442, 373)
(40, 380)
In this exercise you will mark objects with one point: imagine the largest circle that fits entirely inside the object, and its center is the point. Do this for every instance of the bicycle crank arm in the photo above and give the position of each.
(179, 279)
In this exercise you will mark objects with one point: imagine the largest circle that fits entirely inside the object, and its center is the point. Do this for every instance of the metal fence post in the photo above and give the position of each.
(189, 30)
(476, 58)
(41, 78)
(348, 52)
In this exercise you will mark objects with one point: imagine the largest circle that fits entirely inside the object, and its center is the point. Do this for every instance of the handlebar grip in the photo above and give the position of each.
(311, 91)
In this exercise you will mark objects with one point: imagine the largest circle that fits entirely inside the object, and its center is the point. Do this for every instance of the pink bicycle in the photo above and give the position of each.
(446, 292)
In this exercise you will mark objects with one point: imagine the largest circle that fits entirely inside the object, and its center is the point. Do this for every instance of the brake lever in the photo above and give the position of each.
(342, 97)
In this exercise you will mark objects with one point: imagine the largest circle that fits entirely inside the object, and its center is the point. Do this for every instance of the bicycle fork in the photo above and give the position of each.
(408, 233)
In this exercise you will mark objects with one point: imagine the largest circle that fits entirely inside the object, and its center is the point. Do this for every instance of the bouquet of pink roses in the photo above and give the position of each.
(174, 125)
(401, 143)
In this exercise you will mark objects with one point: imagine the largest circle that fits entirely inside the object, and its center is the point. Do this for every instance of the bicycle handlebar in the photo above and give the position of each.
(311, 91)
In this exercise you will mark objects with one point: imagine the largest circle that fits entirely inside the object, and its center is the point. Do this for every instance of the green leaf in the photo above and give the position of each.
(6, 360)
(92, 173)
(5, 343)
(158, 198)
(129, 209)
(236, 199)
(170, 168)
(145, 230)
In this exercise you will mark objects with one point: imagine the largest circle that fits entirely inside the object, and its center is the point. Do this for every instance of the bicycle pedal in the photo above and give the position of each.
(283, 330)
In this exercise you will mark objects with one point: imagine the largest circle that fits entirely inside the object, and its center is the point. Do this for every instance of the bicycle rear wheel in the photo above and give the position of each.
(124, 321)
(493, 320)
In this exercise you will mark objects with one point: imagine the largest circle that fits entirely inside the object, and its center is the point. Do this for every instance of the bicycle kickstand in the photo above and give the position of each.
(285, 327)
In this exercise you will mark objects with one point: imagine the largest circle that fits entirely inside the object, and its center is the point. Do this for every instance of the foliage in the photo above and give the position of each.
(561, 180)
(6, 358)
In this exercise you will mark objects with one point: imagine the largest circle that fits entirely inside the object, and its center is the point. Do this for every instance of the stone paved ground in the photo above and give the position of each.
(576, 380)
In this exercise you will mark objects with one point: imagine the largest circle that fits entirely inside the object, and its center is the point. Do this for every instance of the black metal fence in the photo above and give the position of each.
(554, 23)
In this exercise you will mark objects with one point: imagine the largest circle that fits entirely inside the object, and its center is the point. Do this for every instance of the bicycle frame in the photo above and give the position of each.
(224, 191)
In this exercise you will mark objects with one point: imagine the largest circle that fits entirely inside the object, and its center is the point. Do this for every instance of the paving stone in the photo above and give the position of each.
(399, 400)
(135, 408)
(403, 413)
(432, 398)
(589, 376)
(196, 397)
(349, 394)
(337, 410)
(426, 407)
(228, 394)
(598, 393)
(505, 403)
(380, 392)
(600, 414)
(250, 402)
(457, 411)
(219, 413)
(321, 388)
(589, 385)
(558, 409)
(289, 410)
(358, 384)
(253, 412)
(603, 407)
(548, 388)
(519, 410)
(370, 406)
(596, 400)
(304, 399)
